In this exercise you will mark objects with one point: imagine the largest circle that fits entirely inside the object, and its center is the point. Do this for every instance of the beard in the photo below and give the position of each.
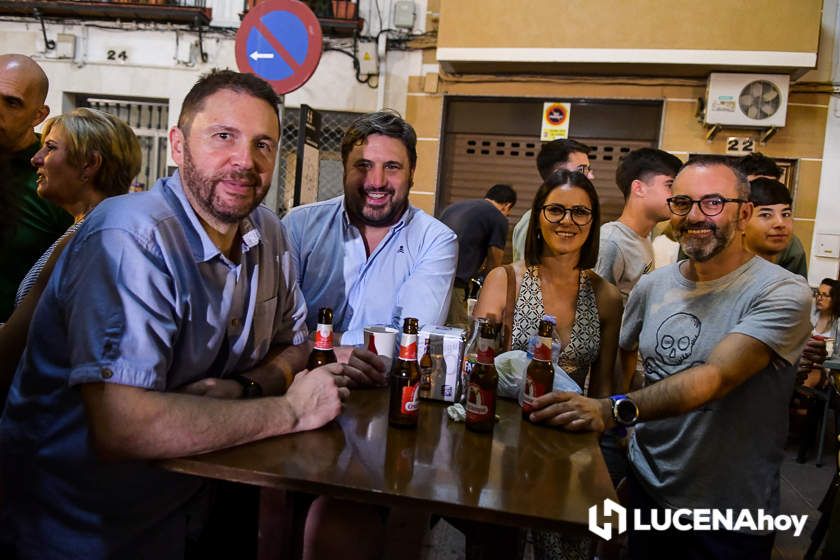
(702, 250)
(203, 189)
(376, 216)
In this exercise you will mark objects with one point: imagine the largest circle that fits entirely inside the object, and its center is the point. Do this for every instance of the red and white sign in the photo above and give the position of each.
(280, 41)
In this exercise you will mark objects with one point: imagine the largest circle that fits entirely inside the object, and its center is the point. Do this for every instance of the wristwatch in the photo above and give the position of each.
(624, 410)
(250, 388)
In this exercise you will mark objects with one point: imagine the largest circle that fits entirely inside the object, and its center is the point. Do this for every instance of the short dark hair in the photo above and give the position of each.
(534, 243)
(503, 194)
(557, 151)
(217, 80)
(768, 192)
(643, 164)
(386, 123)
(757, 163)
(704, 160)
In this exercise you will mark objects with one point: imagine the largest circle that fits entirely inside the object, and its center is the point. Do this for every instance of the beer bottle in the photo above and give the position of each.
(405, 380)
(323, 352)
(539, 376)
(426, 367)
(481, 390)
(469, 361)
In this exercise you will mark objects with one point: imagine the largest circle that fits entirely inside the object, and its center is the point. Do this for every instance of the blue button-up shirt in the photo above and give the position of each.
(142, 297)
(409, 274)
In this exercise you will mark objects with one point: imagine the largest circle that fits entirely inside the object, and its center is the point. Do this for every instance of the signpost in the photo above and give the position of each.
(307, 166)
(280, 41)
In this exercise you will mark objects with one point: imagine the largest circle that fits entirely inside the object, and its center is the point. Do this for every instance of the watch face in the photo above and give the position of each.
(626, 411)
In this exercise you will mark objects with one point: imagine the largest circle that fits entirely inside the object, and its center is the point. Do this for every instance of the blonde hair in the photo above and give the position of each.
(88, 132)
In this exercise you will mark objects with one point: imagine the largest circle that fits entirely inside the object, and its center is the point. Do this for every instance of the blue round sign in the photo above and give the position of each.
(280, 41)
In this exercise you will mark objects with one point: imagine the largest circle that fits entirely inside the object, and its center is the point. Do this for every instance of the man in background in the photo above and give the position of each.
(645, 177)
(481, 226)
(557, 154)
(757, 165)
(770, 228)
(28, 224)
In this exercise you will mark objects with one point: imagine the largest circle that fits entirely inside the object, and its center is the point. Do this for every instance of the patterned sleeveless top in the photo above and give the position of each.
(585, 340)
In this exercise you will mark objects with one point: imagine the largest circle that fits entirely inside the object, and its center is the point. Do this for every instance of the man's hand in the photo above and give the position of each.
(214, 387)
(364, 368)
(315, 396)
(570, 411)
(814, 352)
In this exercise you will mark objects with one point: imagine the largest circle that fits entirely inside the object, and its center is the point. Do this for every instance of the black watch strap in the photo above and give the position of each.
(250, 388)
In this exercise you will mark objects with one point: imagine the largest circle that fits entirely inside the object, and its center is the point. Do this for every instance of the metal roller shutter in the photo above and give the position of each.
(472, 163)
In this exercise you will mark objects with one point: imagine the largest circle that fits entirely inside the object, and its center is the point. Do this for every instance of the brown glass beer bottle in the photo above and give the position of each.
(405, 380)
(426, 367)
(481, 388)
(539, 376)
(323, 352)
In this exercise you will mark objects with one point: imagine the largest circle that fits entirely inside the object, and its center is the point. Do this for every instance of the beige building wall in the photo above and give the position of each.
(801, 139)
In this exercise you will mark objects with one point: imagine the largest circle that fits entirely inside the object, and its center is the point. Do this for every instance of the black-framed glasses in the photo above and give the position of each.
(583, 168)
(555, 213)
(710, 205)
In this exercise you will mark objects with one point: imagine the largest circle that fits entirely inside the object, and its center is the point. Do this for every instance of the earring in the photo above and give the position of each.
(539, 235)
(84, 178)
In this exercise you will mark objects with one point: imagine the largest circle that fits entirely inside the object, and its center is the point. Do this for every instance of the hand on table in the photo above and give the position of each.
(214, 387)
(570, 411)
(364, 368)
(316, 396)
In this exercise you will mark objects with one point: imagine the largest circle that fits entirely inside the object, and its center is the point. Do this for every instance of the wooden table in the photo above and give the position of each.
(521, 475)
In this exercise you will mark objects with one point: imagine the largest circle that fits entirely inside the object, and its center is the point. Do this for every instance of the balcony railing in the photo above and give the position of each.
(337, 17)
(193, 12)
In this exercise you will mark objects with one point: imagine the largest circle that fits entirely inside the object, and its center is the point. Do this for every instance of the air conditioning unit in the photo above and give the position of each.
(747, 100)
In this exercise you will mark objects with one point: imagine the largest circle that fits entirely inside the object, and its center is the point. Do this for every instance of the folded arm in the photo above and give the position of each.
(133, 423)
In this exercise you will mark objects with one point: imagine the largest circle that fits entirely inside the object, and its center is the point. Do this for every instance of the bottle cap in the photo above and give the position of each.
(550, 318)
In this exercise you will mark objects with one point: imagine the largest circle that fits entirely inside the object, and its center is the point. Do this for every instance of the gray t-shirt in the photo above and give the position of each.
(623, 256)
(726, 454)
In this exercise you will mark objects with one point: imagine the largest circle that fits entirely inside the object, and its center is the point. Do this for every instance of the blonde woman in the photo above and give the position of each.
(86, 156)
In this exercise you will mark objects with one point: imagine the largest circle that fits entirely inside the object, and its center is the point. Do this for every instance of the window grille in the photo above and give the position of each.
(150, 121)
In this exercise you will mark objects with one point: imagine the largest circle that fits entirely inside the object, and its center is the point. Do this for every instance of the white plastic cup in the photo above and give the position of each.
(384, 341)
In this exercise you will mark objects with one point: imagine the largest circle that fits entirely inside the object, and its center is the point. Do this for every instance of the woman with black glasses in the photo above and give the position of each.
(560, 248)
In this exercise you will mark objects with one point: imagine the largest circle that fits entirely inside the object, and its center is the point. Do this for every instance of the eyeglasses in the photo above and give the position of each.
(819, 295)
(583, 168)
(556, 213)
(710, 205)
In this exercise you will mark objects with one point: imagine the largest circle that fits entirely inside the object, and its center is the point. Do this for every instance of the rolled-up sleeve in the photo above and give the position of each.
(118, 298)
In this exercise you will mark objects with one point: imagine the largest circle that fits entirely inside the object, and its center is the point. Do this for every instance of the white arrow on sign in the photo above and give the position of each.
(256, 55)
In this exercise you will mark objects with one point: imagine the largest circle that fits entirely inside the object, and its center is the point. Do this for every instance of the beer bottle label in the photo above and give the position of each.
(409, 405)
(324, 337)
(408, 347)
(542, 349)
(533, 389)
(481, 403)
(486, 353)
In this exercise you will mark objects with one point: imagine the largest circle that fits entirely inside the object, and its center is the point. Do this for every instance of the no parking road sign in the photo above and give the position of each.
(279, 41)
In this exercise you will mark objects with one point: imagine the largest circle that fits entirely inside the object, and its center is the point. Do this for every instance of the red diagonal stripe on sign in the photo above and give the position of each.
(277, 45)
